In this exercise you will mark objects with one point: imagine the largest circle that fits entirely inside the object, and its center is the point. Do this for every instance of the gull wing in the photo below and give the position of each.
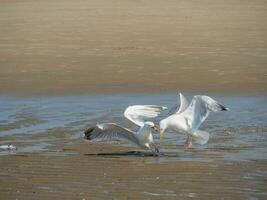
(199, 110)
(109, 131)
(183, 103)
(183, 106)
(139, 114)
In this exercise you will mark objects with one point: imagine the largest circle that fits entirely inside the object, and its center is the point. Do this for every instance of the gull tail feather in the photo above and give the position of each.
(201, 137)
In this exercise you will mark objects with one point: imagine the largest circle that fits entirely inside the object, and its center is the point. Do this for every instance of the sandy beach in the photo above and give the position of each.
(132, 46)
(79, 176)
(65, 65)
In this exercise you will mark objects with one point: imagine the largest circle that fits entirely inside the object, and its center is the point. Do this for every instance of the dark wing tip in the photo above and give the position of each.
(88, 133)
(223, 108)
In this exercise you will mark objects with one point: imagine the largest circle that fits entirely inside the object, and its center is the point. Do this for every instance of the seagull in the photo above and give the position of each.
(189, 117)
(139, 115)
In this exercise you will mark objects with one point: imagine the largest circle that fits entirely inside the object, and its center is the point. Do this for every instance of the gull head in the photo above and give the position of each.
(151, 125)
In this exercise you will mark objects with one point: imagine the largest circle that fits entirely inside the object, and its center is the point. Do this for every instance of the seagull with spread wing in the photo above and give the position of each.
(189, 117)
(139, 115)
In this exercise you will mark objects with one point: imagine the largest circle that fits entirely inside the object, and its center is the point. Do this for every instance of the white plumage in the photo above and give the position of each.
(189, 117)
(183, 103)
(138, 114)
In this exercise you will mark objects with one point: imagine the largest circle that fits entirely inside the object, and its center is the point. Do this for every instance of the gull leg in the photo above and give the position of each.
(188, 142)
(155, 149)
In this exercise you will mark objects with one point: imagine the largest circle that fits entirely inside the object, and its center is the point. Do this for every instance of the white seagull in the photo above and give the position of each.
(138, 114)
(189, 117)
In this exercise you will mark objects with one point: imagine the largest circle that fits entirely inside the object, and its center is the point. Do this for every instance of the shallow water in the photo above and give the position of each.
(54, 161)
(39, 121)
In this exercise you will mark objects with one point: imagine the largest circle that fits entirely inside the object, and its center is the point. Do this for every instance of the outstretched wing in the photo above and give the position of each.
(183, 103)
(199, 110)
(109, 131)
(183, 106)
(139, 114)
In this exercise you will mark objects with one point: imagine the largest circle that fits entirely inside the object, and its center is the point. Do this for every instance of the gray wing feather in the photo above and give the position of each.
(199, 109)
(109, 131)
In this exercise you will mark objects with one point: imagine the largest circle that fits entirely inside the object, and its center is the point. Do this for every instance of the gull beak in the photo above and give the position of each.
(161, 134)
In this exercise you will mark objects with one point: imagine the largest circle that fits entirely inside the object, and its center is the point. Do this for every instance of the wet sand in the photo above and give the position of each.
(81, 176)
(132, 46)
(54, 161)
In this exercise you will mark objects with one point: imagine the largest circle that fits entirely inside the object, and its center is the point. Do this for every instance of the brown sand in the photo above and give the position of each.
(55, 175)
(49, 46)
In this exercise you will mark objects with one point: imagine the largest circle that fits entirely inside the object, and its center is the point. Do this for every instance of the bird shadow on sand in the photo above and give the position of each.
(133, 154)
